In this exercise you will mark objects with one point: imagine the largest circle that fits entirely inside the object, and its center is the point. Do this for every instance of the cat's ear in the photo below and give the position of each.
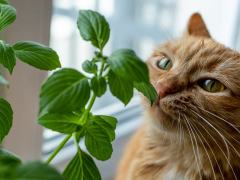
(196, 26)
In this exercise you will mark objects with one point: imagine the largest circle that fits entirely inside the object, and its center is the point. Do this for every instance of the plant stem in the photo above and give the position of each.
(101, 70)
(85, 115)
(83, 120)
(60, 146)
(75, 140)
(91, 103)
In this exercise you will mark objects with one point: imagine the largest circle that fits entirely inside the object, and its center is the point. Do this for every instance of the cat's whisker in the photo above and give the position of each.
(226, 132)
(196, 129)
(223, 138)
(179, 130)
(183, 136)
(221, 119)
(195, 140)
(204, 149)
(180, 127)
(193, 149)
(233, 148)
(227, 158)
(179, 116)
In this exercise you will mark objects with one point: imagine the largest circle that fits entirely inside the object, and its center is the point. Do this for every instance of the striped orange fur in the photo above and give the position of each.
(189, 134)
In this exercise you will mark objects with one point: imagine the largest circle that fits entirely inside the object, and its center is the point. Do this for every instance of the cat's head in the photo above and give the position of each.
(198, 82)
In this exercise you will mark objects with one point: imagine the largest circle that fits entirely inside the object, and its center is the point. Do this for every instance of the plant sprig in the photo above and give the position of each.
(40, 57)
(122, 72)
(67, 97)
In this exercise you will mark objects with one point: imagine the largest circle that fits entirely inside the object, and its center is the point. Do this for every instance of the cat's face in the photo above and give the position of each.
(198, 82)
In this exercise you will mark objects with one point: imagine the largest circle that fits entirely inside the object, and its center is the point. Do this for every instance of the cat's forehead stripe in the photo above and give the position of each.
(201, 53)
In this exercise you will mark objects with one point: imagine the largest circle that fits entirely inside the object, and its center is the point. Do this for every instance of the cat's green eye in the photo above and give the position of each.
(212, 85)
(164, 63)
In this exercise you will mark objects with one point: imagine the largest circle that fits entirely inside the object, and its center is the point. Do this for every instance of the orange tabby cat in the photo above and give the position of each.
(192, 130)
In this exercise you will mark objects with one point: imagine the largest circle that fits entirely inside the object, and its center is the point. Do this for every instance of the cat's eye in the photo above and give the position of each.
(212, 85)
(164, 63)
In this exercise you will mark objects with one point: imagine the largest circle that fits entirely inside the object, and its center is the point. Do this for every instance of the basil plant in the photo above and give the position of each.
(67, 96)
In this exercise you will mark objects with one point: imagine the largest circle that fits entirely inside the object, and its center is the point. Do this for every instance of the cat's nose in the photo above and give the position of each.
(163, 90)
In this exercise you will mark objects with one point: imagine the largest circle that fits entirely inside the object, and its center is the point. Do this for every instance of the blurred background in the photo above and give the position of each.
(140, 25)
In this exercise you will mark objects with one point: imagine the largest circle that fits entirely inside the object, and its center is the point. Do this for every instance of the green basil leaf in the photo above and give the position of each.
(65, 90)
(66, 123)
(89, 67)
(6, 117)
(98, 142)
(93, 27)
(111, 120)
(98, 85)
(37, 55)
(105, 125)
(36, 171)
(125, 63)
(82, 167)
(120, 87)
(7, 15)
(7, 55)
(4, 2)
(94, 60)
(148, 90)
(8, 162)
(98, 54)
(7, 154)
(90, 170)
(7, 167)
(74, 170)
(3, 81)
